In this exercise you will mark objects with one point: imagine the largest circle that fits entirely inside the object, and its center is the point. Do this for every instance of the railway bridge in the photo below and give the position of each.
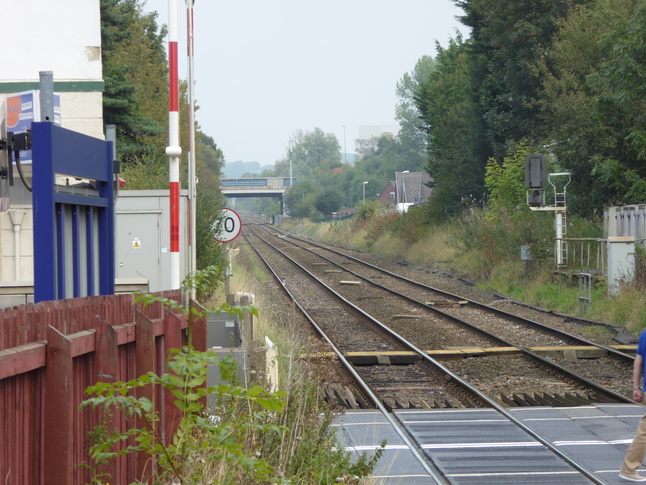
(257, 187)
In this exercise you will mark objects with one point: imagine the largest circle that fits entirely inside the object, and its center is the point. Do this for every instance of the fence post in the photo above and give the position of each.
(145, 362)
(106, 356)
(173, 339)
(247, 320)
(59, 408)
(199, 328)
(107, 370)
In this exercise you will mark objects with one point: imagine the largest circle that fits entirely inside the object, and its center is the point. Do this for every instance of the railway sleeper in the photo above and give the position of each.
(349, 398)
(391, 404)
(546, 399)
(446, 303)
(345, 397)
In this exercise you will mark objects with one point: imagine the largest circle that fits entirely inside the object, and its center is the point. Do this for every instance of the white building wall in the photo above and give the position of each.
(24, 234)
(83, 113)
(62, 36)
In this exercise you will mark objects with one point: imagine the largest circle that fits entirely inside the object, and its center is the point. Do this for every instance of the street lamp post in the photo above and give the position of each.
(345, 150)
(364, 191)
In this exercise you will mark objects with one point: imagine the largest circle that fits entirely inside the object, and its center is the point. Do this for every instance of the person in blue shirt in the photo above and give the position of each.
(637, 450)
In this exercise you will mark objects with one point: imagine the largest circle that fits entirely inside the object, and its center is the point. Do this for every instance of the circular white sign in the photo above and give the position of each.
(229, 226)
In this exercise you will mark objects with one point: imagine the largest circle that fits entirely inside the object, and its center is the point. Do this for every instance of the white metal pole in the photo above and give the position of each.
(559, 239)
(192, 175)
(173, 150)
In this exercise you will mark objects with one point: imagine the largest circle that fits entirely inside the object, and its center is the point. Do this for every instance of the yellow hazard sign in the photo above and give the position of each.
(136, 243)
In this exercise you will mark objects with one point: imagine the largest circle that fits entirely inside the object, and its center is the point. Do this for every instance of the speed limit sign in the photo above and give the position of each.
(228, 228)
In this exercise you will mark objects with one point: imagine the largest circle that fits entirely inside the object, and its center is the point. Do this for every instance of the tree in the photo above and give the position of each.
(209, 201)
(136, 79)
(311, 153)
(590, 100)
(328, 201)
(507, 38)
(453, 120)
(620, 81)
(411, 136)
(300, 199)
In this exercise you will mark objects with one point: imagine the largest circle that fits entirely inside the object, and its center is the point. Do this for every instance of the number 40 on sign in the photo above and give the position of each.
(229, 226)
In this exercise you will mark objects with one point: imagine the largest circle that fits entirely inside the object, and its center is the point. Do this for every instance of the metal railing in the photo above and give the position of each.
(587, 255)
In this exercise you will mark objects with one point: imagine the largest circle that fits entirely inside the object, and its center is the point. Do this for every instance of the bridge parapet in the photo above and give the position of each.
(278, 183)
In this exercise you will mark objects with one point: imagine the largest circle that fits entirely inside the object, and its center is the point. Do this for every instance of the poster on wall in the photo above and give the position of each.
(24, 108)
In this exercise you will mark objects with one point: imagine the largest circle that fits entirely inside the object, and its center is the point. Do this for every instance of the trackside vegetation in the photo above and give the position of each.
(484, 247)
(229, 433)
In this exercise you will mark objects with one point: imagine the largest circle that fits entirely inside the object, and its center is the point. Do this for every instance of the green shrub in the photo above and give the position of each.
(412, 226)
(367, 209)
(506, 182)
(203, 442)
(228, 433)
(485, 241)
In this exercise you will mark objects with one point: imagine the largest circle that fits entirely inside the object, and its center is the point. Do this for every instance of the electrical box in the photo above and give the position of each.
(525, 253)
(143, 237)
(224, 338)
(223, 330)
(621, 262)
(239, 355)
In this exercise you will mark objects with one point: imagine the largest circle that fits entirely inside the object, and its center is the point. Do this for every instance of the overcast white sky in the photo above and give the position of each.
(264, 70)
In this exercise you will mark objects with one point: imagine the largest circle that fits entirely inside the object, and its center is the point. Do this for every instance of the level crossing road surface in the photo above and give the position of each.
(479, 446)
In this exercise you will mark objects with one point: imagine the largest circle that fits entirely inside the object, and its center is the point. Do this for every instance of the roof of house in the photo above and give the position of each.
(412, 188)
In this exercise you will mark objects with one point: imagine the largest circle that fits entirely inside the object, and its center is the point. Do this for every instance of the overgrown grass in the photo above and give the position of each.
(485, 248)
(244, 272)
(307, 451)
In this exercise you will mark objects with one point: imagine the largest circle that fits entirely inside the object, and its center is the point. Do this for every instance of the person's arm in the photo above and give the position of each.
(637, 378)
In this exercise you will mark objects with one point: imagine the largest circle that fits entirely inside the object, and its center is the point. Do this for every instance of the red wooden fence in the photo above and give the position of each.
(50, 353)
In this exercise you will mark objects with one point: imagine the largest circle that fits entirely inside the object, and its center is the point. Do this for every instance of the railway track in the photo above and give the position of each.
(478, 326)
(420, 383)
(525, 378)
(396, 374)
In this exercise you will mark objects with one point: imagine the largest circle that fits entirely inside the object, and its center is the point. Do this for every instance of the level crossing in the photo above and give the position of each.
(478, 446)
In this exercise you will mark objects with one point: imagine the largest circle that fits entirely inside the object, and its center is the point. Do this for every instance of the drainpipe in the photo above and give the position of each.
(16, 220)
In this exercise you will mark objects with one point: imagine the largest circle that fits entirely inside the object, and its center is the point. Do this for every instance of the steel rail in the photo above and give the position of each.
(515, 318)
(525, 351)
(353, 373)
(456, 379)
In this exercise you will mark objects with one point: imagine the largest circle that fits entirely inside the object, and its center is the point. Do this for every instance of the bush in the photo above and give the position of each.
(367, 210)
(485, 240)
(412, 226)
(204, 444)
(228, 433)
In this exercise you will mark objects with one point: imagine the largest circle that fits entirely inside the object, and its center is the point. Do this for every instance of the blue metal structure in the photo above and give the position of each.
(74, 225)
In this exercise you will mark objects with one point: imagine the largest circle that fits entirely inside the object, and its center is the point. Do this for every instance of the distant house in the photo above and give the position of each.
(387, 195)
(411, 189)
(408, 189)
